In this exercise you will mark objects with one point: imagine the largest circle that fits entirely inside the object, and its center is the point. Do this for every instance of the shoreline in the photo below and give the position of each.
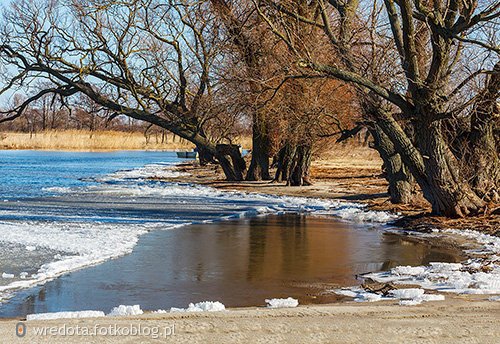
(458, 318)
(336, 180)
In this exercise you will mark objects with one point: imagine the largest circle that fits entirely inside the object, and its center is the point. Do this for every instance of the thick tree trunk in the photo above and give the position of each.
(483, 154)
(231, 161)
(205, 156)
(449, 194)
(283, 161)
(434, 167)
(401, 182)
(299, 174)
(259, 165)
(293, 164)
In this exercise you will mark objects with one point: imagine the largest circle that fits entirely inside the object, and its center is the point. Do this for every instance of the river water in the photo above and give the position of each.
(94, 230)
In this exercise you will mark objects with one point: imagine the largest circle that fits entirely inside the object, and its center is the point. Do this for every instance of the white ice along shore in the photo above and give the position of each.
(126, 310)
(477, 275)
(64, 315)
(282, 303)
(205, 306)
(86, 243)
(406, 297)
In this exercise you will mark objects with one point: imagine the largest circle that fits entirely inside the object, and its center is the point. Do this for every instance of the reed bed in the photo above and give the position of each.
(85, 140)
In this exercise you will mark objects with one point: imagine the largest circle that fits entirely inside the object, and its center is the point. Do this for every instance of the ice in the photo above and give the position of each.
(478, 275)
(160, 311)
(82, 245)
(408, 270)
(446, 277)
(369, 297)
(494, 298)
(347, 292)
(58, 189)
(8, 276)
(65, 315)
(445, 267)
(282, 303)
(490, 244)
(205, 306)
(150, 171)
(410, 293)
(432, 297)
(126, 310)
(406, 297)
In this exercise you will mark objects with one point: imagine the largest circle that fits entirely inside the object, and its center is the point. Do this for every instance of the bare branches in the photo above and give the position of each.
(18, 111)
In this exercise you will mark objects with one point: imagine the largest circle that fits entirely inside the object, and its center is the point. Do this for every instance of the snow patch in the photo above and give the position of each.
(7, 276)
(126, 310)
(65, 315)
(282, 303)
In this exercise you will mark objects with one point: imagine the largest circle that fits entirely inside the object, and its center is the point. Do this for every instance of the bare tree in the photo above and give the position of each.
(150, 60)
(242, 28)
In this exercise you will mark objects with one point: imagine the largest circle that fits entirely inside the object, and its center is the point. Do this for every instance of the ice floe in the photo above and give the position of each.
(405, 297)
(282, 303)
(205, 306)
(477, 275)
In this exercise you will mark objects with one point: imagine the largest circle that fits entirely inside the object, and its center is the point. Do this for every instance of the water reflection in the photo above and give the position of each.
(239, 263)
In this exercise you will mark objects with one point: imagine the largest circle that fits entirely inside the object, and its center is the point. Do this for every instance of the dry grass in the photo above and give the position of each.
(350, 155)
(83, 140)
(101, 140)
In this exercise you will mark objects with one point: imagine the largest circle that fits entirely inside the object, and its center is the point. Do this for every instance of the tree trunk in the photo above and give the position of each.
(401, 182)
(205, 156)
(293, 164)
(231, 161)
(434, 167)
(299, 174)
(483, 153)
(283, 161)
(259, 165)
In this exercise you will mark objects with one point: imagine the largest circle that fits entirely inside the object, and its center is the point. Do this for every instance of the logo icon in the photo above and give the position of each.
(20, 329)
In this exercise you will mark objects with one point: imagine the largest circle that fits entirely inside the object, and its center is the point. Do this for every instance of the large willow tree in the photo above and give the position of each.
(426, 73)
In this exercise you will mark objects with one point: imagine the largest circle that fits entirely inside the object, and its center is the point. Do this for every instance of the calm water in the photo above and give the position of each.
(92, 231)
(25, 173)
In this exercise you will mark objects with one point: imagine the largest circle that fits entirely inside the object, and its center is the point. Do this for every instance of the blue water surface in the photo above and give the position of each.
(28, 173)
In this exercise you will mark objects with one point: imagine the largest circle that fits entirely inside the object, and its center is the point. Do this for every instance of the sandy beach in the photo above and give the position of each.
(456, 320)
